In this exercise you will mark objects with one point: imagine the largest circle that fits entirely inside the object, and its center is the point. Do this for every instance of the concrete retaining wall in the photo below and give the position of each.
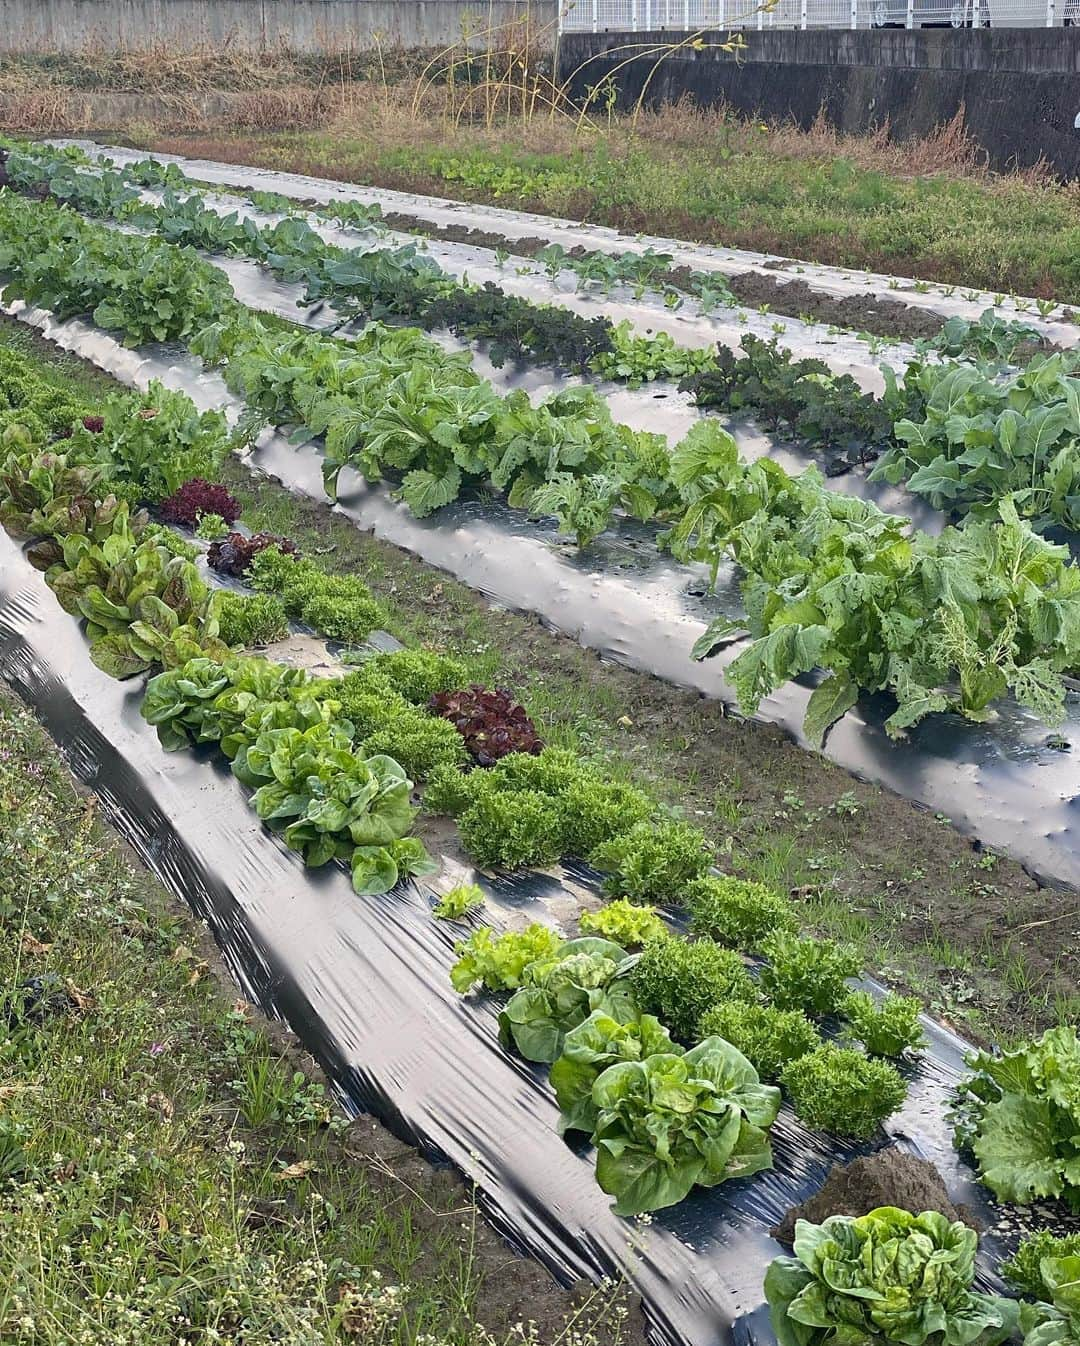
(1020, 88)
(256, 25)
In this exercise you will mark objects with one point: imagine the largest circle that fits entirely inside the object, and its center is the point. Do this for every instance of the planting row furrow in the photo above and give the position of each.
(707, 1017)
(1055, 321)
(963, 432)
(954, 621)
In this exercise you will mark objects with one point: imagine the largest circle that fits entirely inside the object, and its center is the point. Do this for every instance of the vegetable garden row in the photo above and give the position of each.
(671, 1052)
(952, 621)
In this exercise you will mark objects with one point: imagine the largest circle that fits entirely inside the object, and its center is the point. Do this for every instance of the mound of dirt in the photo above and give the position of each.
(891, 1177)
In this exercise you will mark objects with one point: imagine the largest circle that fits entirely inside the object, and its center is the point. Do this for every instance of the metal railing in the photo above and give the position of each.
(688, 16)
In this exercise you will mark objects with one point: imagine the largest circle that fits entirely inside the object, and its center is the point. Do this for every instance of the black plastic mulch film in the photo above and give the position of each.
(1009, 782)
(364, 983)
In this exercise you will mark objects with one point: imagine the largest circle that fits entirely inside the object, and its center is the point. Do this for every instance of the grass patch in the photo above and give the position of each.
(170, 1168)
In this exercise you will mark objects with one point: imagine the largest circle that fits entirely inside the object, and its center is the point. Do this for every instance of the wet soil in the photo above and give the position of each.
(891, 1177)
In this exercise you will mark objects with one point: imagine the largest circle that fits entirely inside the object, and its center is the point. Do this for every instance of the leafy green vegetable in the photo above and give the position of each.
(514, 830)
(499, 961)
(886, 1277)
(1023, 1270)
(1056, 1323)
(768, 1037)
(653, 862)
(888, 1028)
(459, 901)
(251, 619)
(143, 605)
(981, 439)
(840, 1090)
(737, 912)
(678, 980)
(559, 992)
(624, 922)
(807, 974)
(831, 582)
(669, 1122)
(416, 674)
(1019, 1114)
(596, 1043)
(207, 701)
(325, 798)
(340, 607)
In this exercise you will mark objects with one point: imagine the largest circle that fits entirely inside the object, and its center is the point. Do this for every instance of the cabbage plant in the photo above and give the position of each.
(889, 1276)
(669, 1122)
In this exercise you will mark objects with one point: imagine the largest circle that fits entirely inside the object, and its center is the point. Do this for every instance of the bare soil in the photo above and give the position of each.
(792, 298)
(891, 1177)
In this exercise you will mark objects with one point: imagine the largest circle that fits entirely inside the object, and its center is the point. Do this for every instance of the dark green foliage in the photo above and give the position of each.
(680, 980)
(808, 974)
(768, 1037)
(838, 1089)
(737, 912)
(513, 830)
(802, 398)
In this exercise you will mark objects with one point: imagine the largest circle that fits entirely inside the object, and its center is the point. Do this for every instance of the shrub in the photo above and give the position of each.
(737, 912)
(768, 1037)
(841, 1090)
(679, 980)
(653, 862)
(251, 619)
(807, 974)
(885, 1029)
(512, 830)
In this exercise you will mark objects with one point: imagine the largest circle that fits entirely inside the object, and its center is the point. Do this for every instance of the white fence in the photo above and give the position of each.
(689, 16)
